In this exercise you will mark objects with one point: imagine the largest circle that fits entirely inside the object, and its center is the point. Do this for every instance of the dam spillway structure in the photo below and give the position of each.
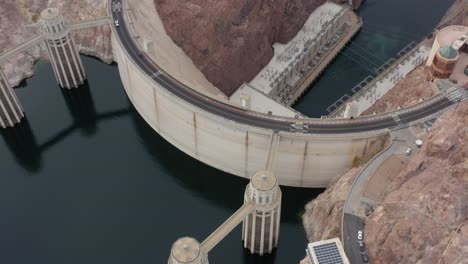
(11, 111)
(64, 57)
(260, 215)
(260, 229)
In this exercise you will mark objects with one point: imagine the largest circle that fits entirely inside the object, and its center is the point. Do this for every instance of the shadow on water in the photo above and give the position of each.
(21, 142)
(256, 259)
(204, 180)
(81, 106)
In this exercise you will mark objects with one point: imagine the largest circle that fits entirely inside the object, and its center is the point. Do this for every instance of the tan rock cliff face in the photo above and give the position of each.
(15, 15)
(231, 41)
(322, 216)
(427, 205)
(456, 15)
(406, 92)
(425, 209)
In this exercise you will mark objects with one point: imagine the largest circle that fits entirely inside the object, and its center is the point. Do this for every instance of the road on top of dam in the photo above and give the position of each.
(250, 118)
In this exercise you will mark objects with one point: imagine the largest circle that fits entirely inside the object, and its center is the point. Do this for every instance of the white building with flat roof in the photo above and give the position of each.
(250, 98)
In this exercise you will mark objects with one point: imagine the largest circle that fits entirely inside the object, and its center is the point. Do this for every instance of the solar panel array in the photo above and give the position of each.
(328, 254)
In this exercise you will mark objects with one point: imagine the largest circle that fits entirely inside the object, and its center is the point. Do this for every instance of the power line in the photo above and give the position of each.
(367, 52)
(364, 57)
(393, 35)
(365, 31)
(399, 32)
(364, 67)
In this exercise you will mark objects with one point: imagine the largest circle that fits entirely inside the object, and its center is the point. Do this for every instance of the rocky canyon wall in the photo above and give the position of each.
(424, 216)
(231, 41)
(17, 14)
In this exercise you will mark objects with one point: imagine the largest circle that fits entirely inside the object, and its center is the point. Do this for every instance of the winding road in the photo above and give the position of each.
(243, 116)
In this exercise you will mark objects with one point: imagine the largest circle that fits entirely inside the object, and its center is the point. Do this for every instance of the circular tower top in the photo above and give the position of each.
(263, 180)
(185, 250)
(50, 13)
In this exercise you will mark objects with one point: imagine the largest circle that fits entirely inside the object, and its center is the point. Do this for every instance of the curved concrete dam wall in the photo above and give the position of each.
(302, 160)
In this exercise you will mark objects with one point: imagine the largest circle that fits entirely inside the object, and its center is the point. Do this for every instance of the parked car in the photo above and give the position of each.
(365, 258)
(408, 151)
(299, 127)
(362, 248)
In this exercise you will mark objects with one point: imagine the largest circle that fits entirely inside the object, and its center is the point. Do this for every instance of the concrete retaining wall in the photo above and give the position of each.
(302, 160)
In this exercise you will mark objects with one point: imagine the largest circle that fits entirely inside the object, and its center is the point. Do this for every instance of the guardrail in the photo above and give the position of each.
(90, 23)
(22, 47)
(370, 80)
(273, 117)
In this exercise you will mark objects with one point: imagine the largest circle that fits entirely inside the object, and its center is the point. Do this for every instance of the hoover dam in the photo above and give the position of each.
(309, 152)
(119, 140)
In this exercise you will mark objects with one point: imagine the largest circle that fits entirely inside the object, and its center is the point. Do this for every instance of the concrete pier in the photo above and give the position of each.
(260, 230)
(66, 62)
(11, 112)
(260, 215)
(187, 250)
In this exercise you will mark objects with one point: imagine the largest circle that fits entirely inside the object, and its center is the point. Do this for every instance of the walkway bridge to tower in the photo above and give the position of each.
(260, 215)
(66, 62)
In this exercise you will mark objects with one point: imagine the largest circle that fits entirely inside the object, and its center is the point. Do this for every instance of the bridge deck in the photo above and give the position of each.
(22, 47)
(90, 23)
(224, 229)
(270, 161)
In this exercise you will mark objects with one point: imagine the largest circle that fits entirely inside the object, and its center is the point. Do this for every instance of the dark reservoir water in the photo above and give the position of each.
(86, 180)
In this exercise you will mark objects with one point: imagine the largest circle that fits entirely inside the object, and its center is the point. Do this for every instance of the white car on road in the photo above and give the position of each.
(408, 151)
(359, 235)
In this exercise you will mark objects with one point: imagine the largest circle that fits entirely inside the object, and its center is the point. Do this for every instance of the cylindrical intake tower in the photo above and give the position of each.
(187, 250)
(66, 62)
(260, 229)
(11, 111)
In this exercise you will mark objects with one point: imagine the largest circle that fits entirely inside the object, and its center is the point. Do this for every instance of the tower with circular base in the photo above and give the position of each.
(11, 111)
(260, 229)
(66, 62)
(187, 250)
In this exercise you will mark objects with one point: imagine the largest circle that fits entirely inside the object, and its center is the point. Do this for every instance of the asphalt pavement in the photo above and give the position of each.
(247, 117)
(352, 224)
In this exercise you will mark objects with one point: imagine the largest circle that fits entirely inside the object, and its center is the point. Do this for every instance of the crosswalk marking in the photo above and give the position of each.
(400, 126)
(456, 94)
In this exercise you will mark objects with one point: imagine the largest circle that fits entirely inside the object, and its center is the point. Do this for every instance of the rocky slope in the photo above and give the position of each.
(456, 15)
(16, 14)
(322, 217)
(231, 41)
(406, 92)
(424, 215)
(427, 201)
